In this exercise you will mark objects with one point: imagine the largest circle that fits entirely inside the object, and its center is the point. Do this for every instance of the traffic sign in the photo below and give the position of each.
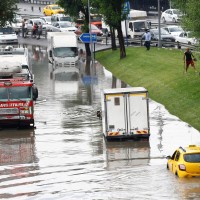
(85, 38)
(127, 7)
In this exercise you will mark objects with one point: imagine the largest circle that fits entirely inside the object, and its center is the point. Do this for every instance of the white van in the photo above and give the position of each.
(62, 49)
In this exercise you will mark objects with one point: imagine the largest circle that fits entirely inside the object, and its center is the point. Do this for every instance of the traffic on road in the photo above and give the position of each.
(65, 155)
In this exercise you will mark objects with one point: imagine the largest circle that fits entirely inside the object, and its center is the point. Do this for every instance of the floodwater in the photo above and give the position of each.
(66, 156)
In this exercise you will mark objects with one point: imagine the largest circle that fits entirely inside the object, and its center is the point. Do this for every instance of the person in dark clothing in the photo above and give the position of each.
(39, 30)
(188, 60)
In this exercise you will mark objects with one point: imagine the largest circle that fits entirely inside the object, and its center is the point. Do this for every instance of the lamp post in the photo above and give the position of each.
(159, 32)
(91, 46)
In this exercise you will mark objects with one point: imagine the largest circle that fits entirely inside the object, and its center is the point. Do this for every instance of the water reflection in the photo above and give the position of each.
(66, 157)
(126, 154)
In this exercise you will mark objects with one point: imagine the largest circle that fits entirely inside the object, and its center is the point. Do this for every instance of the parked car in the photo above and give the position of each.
(8, 35)
(167, 39)
(171, 15)
(52, 9)
(17, 23)
(185, 162)
(174, 30)
(94, 30)
(62, 26)
(46, 19)
(61, 17)
(186, 38)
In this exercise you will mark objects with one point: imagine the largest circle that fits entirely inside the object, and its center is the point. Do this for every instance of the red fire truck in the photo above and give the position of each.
(17, 102)
(17, 89)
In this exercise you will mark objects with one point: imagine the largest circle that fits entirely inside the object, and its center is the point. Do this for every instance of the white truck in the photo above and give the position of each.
(125, 113)
(135, 24)
(62, 49)
(14, 63)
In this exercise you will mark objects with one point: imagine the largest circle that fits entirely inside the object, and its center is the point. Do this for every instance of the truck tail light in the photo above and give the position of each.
(182, 167)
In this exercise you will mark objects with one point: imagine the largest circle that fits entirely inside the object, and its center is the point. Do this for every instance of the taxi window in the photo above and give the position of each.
(193, 158)
(177, 156)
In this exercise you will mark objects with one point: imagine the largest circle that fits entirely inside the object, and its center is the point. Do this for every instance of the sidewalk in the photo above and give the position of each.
(30, 9)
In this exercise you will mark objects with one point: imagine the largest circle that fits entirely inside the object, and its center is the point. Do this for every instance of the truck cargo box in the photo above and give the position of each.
(125, 113)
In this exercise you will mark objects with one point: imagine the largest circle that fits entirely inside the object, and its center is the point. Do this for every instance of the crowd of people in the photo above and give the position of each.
(36, 31)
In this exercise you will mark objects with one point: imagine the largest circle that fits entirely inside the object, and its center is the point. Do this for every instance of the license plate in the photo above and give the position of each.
(9, 111)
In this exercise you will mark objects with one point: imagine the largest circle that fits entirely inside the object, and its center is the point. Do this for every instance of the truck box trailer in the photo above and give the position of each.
(125, 113)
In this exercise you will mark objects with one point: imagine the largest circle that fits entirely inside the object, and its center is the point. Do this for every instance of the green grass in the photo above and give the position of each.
(160, 71)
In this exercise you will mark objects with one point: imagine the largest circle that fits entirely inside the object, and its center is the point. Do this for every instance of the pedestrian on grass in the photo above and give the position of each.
(188, 60)
(147, 38)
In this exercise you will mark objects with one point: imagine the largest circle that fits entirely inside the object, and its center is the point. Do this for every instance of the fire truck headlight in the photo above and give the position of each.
(27, 110)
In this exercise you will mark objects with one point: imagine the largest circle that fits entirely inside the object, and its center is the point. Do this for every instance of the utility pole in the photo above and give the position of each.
(159, 32)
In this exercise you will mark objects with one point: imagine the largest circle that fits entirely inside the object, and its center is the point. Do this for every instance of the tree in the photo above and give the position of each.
(191, 14)
(8, 10)
(112, 11)
(73, 8)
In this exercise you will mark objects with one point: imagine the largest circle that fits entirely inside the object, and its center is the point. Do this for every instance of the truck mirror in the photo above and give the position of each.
(99, 114)
(35, 93)
(50, 53)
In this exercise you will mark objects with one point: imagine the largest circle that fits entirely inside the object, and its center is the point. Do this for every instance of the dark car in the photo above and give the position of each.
(167, 40)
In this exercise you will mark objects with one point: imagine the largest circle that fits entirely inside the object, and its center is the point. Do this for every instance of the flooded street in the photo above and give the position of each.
(66, 156)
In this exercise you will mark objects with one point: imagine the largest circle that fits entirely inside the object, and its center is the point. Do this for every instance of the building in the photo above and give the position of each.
(151, 6)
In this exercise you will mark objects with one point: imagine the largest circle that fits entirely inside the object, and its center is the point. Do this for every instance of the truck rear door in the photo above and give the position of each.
(115, 114)
(137, 111)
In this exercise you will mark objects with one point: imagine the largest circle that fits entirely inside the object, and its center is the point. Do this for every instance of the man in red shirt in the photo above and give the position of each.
(188, 60)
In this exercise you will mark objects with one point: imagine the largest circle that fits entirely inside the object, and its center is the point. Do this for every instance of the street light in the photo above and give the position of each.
(90, 29)
(159, 34)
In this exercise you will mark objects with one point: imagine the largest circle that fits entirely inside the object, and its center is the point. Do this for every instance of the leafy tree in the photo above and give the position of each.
(8, 10)
(112, 11)
(191, 17)
(73, 8)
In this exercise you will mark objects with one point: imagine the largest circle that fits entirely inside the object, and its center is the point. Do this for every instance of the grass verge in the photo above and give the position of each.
(161, 72)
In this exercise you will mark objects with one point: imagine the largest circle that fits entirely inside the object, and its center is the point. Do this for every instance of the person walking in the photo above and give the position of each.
(23, 27)
(39, 30)
(34, 30)
(188, 60)
(147, 38)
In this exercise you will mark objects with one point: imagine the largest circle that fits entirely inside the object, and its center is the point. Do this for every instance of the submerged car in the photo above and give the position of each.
(185, 162)
(8, 35)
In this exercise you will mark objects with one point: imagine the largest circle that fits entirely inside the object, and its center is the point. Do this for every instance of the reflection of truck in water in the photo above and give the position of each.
(125, 113)
(126, 154)
(17, 149)
(62, 49)
(17, 88)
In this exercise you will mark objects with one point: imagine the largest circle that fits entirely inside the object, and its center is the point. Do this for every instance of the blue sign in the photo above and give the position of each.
(127, 7)
(85, 38)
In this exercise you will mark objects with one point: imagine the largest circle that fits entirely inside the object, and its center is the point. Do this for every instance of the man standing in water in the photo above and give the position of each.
(188, 60)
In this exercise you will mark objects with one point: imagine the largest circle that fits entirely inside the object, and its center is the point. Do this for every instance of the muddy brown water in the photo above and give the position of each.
(66, 156)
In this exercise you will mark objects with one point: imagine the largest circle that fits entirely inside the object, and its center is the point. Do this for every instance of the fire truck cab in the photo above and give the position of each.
(17, 89)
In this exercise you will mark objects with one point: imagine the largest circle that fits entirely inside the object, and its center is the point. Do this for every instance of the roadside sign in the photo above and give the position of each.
(127, 7)
(85, 38)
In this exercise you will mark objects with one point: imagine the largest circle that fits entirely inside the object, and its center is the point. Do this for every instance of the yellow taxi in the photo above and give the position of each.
(185, 162)
(52, 10)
